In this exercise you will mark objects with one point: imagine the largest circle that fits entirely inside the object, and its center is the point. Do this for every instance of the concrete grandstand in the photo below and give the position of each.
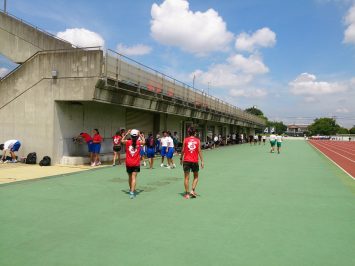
(59, 90)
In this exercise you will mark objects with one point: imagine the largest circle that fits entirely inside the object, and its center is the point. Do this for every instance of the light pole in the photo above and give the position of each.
(193, 81)
(208, 88)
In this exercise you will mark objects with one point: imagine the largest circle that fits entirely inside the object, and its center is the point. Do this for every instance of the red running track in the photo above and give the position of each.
(341, 153)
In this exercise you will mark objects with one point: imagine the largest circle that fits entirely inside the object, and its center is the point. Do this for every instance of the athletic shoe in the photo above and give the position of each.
(93, 164)
(168, 167)
(14, 161)
(162, 165)
(174, 165)
(193, 194)
(113, 164)
(98, 163)
(144, 164)
(131, 195)
(187, 196)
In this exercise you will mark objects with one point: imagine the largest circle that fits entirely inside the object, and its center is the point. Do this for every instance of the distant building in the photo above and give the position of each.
(297, 130)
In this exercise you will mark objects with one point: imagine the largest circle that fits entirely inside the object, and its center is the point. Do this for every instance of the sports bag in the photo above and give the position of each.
(31, 158)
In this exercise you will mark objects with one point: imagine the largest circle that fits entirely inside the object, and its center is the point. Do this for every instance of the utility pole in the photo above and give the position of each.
(208, 88)
(193, 81)
(5, 6)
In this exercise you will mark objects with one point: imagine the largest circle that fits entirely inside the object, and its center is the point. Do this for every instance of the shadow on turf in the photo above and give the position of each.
(138, 191)
(182, 194)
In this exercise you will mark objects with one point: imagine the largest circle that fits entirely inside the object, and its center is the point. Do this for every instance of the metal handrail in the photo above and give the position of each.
(207, 100)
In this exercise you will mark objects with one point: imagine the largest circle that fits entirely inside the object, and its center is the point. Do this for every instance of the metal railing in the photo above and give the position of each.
(123, 69)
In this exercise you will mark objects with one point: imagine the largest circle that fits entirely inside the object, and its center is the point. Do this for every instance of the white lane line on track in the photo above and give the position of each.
(337, 153)
(337, 148)
(314, 146)
(346, 147)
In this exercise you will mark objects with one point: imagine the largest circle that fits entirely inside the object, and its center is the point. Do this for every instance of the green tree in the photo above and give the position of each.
(343, 130)
(254, 111)
(352, 130)
(324, 126)
(279, 126)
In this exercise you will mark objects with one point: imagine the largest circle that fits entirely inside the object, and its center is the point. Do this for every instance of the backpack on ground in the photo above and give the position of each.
(46, 161)
(31, 158)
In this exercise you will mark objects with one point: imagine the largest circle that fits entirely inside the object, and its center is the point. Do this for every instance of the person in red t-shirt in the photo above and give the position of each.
(88, 139)
(191, 150)
(133, 147)
(96, 139)
(116, 139)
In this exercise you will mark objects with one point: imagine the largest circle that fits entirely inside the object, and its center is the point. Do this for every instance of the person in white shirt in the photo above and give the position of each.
(170, 151)
(12, 146)
(278, 143)
(255, 139)
(272, 142)
(164, 147)
(215, 141)
(234, 138)
(264, 139)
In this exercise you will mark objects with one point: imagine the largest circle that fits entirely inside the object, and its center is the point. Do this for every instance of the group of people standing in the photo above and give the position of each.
(190, 154)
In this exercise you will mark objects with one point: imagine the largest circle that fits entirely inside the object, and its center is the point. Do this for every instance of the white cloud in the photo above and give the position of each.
(251, 65)
(173, 23)
(349, 34)
(235, 72)
(248, 93)
(261, 38)
(307, 84)
(3, 71)
(342, 110)
(139, 49)
(82, 37)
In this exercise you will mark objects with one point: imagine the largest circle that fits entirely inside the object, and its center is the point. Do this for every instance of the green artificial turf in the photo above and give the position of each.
(254, 208)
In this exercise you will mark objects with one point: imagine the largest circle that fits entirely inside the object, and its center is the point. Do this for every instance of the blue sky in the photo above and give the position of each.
(295, 60)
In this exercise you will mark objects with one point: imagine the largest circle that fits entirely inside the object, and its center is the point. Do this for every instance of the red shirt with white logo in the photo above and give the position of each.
(116, 140)
(86, 136)
(97, 138)
(132, 155)
(191, 147)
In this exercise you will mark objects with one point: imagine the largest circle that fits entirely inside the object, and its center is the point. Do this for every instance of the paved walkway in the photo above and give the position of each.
(255, 208)
(20, 172)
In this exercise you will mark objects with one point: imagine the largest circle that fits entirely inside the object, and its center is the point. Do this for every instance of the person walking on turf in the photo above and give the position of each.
(12, 146)
(191, 151)
(170, 152)
(164, 147)
(133, 147)
(264, 139)
(150, 145)
(278, 143)
(272, 142)
(116, 139)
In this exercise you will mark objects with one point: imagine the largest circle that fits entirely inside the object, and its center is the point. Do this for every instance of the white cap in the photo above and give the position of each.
(134, 132)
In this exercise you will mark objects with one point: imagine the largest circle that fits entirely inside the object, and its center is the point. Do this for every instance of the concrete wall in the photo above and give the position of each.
(71, 118)
(27, 96)
(19, 41)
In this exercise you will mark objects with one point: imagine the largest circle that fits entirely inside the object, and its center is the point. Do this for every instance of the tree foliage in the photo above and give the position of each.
(279, 126)
(352, 130)
(324, 126)
(254, 111)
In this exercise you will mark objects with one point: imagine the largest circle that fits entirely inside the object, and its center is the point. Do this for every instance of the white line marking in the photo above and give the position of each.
(352, 177)
(338, 148)
(337, 153)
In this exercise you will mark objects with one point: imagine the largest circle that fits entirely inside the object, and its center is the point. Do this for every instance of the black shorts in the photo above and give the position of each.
(189, 166)
(131, 169)
(116, 148)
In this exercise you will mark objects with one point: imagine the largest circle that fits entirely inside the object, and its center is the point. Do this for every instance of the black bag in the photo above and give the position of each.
(31, 158)
(46, 161)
